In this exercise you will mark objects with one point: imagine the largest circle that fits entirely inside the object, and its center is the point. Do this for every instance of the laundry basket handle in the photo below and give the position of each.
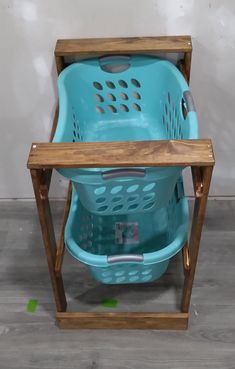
(125, 258)
(115, 63)
(188, 98)
(116, 173)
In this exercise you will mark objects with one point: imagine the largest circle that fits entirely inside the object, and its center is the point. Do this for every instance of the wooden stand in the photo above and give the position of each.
(44, 157)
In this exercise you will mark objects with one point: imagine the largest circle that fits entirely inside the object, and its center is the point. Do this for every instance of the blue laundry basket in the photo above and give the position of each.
(124, 98)
(132, 248)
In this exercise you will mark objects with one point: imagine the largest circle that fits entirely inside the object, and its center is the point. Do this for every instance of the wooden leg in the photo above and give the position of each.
(184, 65)
(60, 65)
(197, 181)
(195, 237)
(60, 249)
(187, 63)
(54, 125)
(44, 212)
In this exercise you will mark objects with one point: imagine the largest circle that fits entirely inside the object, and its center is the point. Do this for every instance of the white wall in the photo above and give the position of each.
(28, 32)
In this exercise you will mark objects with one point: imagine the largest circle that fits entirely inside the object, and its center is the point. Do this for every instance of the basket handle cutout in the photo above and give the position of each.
(179, 190)
(125, 258)
(187, 103)
(116, 173)
(115, 63)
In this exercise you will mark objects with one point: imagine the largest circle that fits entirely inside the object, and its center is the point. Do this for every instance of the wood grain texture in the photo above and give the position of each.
(98, 46)
(121, 154)
(171, 321)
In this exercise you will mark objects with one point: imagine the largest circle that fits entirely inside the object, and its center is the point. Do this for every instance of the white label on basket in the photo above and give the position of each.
(126, 233)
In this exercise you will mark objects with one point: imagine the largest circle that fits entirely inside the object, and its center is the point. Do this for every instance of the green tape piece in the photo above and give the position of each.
(109, 303)
(32, 306)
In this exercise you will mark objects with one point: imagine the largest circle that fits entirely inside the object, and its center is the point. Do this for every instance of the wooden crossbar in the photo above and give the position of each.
(119, 320)
(121, 154)
(132, 45)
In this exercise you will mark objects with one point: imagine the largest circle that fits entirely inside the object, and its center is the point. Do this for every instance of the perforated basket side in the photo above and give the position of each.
(125, 196)
(91, 238)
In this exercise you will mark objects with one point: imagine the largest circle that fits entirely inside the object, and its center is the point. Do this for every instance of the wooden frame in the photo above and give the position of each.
(44, 157)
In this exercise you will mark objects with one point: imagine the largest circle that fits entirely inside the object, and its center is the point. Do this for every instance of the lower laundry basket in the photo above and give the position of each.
(132, 248)
(124, 98)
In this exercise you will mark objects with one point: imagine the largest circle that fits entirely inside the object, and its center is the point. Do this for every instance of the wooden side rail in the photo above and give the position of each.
(132, 45)
(95, 47)
(121, 154)
(122, 320)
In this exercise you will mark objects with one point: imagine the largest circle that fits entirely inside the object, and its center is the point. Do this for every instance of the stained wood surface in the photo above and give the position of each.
(172, 321)
(121, 154)
(94, 46)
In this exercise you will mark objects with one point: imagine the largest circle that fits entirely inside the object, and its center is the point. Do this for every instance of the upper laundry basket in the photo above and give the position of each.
(124, 98)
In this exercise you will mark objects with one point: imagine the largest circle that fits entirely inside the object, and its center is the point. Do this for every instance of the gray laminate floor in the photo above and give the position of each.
(31, 340)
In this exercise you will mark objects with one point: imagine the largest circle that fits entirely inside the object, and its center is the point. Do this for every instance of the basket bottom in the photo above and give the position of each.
(131, 273)
(133, 129)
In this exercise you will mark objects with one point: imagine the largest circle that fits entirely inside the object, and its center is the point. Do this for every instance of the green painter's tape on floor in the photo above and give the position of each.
(32, 306)
(109, 303)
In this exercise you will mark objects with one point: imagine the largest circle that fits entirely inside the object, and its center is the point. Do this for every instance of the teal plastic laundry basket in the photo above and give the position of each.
(132, 248)
(124, 98)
